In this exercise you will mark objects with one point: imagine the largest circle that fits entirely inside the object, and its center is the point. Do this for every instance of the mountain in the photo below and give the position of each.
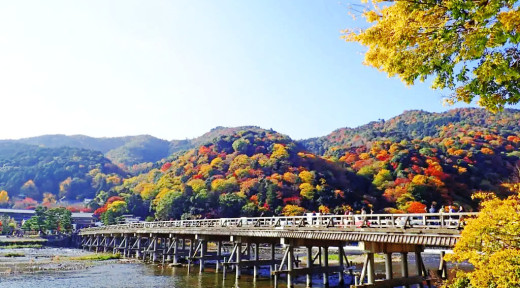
(69, 173)
(407, 163)
(249, 172)
(130, 152)
(124, 151)
(403, 164)
(417, 124)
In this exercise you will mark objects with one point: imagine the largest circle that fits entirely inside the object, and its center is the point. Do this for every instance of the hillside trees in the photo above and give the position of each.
(470, 47)
(247, 173)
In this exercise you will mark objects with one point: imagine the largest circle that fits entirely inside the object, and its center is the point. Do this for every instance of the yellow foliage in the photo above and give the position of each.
(205, 169)
(240, 162)
(4, 197)
(47, 198)
(216, 163)
(324, 209)
(279, 152)
(465, 45)
(197, 185)
(292, 210)
(117, 206)
(290, 177)
(487, 151)
(420, 179)
(147, 190)
(364, 156)
(307, 177)
(491, 244)
(307, 191)
(114, 180)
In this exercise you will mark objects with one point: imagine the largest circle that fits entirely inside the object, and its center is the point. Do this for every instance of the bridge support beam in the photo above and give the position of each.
(443, 269)
(309, 265)
(404, 265)
(219, 255)
(257, 258)
(203, 252)
(325, 254)
(238, 259)
(388, 266)
(341, 255)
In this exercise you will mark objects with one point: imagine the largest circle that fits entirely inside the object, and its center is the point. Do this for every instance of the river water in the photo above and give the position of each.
(113, 273)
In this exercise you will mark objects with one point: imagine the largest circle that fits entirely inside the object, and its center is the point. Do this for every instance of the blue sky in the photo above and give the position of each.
(175, 69)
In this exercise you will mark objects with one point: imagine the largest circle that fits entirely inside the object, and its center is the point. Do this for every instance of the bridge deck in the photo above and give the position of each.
(431, 229)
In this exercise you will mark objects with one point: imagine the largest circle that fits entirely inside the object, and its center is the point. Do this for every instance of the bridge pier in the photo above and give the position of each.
(443, 269)
(238, 258)
(309, 265)
(325, 254)
(219, 256)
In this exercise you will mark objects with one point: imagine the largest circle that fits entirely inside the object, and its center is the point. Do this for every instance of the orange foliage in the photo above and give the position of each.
(416, 207)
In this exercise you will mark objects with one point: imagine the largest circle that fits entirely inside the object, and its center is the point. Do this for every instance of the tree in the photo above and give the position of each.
(4, 197)
(469, 47)
(491, 244)
(293, 210)
(29, 189)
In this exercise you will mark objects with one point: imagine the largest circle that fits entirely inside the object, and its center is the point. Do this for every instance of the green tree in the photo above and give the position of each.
(170, 205)
(470, 47)
(231, 204)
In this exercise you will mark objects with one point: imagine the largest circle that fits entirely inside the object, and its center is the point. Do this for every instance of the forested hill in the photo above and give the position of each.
(68, 173)
(132, 153)
(418, 124)
(124, 151)
(403, 164)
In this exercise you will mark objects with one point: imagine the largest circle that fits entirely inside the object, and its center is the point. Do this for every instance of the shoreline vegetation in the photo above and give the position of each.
(21, 242)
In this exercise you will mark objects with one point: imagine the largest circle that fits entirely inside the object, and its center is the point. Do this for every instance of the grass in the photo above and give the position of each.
(15, 246)
(97, 257)
(14, 254)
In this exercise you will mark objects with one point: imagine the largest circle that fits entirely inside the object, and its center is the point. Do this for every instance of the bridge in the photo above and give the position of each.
(172, 241)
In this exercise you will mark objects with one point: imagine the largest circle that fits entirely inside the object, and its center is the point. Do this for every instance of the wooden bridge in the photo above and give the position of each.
(173, 241)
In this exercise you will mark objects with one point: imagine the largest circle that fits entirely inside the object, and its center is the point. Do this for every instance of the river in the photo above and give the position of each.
(48, 270)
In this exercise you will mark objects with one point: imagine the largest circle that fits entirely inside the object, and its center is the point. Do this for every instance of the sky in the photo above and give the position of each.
(175, 69)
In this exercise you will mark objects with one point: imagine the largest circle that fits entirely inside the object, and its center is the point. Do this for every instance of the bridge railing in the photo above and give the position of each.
(419, 220)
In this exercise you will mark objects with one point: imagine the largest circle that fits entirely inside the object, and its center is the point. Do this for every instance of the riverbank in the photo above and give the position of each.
(39, 260)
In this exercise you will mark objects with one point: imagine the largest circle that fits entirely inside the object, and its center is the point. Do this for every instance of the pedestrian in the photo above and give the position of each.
(432, 208)
(461, 209)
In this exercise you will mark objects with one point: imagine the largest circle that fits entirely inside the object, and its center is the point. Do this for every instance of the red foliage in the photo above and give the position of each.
(291, 200)
(204, 150)
(73, 209)
(416, 207)
(100, 211)
(114, 198)
(417, 169)
(166, 166)
(400, 181)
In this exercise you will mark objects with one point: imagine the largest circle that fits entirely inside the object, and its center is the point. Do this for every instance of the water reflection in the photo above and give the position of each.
(148, 275)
